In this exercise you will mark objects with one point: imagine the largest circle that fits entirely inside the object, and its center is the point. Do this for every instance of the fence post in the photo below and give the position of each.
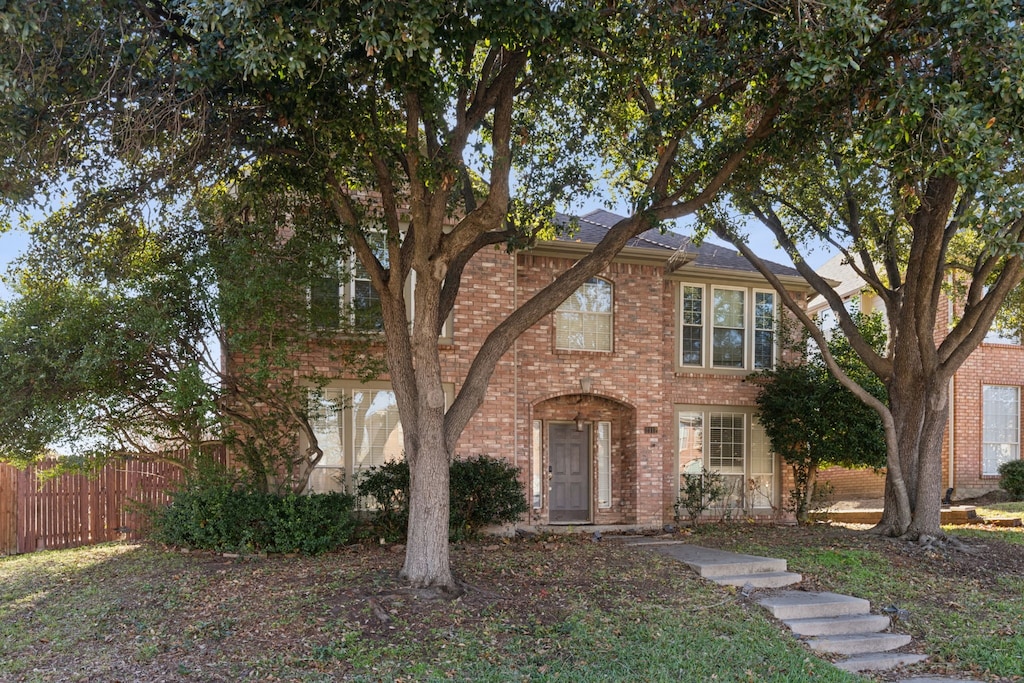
(8, 510)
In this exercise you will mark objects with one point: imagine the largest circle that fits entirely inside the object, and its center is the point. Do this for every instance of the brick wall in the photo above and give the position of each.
(636, 386)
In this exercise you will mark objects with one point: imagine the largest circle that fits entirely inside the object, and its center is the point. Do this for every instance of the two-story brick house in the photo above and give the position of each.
(984, 425)
(636, 378)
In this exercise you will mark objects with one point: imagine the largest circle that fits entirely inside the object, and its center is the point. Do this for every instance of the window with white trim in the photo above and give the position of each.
(742, 330)
(604, 464)
(764, 330)
(728, 339)
(1000, 427)
(348, 292)
(731, 443)
(537, 464)
(692, 320)
(356, 428)
(584, 321)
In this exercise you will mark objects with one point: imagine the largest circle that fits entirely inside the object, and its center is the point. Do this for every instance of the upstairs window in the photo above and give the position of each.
(736, 324)
(764, 330)
(692, 333)
(584, 321)
(728, 340)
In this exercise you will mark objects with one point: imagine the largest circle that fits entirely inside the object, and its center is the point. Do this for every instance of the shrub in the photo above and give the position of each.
(482, 491)
(699, 492)
(1012, 478)
(388, 487)
(215, 513)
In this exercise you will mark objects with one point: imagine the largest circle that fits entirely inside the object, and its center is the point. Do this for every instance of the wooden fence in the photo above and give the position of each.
(71, 510)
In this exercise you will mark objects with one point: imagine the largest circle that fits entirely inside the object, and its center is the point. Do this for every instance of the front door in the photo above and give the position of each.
(570, 473)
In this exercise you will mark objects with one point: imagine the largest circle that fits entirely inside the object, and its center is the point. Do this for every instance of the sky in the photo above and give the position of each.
(14, 242)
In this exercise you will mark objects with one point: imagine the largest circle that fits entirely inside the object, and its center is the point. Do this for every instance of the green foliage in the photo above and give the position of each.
(388, 487)
(213, 512)
(813, 421)
(699, 492)
(1011, 478)
(483, 491)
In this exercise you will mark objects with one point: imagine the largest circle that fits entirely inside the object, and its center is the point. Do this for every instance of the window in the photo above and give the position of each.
(538, 471)
(348, 292)
(357, 428)
(604, 464)
(330, 294)
(740, 336)
(727, 338)
(1000, 427)
(693, 325)
(999, 335)
(764, 330)
(732, 444)
(584, 321)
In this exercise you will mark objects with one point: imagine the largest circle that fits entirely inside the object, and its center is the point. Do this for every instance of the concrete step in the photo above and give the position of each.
(838, 626)
(762, 580)
(711, 563)
(879, 660)
(806, 605)
(859, 643)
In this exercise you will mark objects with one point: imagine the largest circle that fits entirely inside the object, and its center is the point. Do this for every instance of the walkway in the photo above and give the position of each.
(826, 622)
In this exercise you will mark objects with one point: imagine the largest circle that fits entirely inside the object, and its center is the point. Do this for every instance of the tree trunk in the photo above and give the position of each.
(919, 412)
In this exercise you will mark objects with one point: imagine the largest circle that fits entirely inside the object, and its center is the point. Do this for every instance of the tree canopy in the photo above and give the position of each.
(918, 185)
(407, 119)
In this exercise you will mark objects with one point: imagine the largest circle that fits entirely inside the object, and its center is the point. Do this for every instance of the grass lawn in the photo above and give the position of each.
(537, 610)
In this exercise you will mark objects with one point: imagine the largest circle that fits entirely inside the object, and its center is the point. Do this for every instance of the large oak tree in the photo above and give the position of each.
(920, 187)
(410, 119)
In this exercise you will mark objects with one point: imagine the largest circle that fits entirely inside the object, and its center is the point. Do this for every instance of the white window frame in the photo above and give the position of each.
(339, 459)
(609, 315)
(999, 443)
(699, 326)
(706, 327)
(346, 297)
(743, 329)
(759, 466)
(603, 446)
(771, 330)
(537, 464)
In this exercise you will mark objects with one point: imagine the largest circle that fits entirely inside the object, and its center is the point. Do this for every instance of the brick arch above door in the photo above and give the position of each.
(610, 427)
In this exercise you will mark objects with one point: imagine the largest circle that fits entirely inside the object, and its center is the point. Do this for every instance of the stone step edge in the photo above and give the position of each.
(760, 580)
(838, 625)
(879, 660)
(818, 604)
(859, 643)
(713, 571)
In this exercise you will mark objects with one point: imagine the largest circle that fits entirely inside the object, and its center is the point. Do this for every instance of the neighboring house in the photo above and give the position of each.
(637, 378)
(985, 403)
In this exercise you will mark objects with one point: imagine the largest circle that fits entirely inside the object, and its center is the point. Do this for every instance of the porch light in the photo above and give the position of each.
(580, 421)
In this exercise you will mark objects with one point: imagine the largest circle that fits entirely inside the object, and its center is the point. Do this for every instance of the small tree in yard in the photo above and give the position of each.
(111, 343)
(813, 421)
(699, 492)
